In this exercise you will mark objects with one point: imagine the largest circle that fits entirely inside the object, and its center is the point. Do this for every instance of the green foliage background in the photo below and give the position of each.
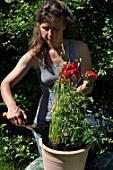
(93, 25)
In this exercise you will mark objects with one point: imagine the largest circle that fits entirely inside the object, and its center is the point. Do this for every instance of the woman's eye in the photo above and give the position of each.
(46, 28)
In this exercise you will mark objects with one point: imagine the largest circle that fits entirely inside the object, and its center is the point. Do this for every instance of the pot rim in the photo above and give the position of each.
(62, 152)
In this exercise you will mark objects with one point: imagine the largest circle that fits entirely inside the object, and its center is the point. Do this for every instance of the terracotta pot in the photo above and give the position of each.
(63, 160)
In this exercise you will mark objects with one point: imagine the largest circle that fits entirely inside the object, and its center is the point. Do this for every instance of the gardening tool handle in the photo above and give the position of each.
(4, 114)
(25, 124)
(33, 127)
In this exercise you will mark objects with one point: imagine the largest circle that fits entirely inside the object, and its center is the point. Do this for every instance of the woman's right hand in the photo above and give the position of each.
(17, 117)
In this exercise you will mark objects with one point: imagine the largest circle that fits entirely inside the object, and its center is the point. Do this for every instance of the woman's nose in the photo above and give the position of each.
(50, 33)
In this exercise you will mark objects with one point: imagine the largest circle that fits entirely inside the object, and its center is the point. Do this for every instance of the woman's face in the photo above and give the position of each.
(52, 32)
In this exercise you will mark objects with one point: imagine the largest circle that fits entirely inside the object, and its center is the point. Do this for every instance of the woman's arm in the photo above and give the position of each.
(16, 114)
(84, 54)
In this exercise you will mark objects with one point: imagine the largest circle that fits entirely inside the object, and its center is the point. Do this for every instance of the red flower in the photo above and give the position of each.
(90, 73)
(69, 70)
(66, 73)
(62, 80)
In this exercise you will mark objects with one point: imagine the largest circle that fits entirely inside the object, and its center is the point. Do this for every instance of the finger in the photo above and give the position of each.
(11, 120)
(15, 121)
(20, 117)
(24, 115)
(20, 122)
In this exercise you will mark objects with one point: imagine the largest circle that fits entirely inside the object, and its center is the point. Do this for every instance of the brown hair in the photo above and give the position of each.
(50, 9)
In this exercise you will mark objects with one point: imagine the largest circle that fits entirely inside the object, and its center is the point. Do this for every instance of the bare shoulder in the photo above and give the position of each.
(80, 45)
(29, 60)
(82, 51)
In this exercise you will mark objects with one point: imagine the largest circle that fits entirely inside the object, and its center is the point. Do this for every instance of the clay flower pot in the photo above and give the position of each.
(63, 160)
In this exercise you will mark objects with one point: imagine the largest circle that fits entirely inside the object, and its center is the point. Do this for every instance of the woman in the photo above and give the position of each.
(48, 51)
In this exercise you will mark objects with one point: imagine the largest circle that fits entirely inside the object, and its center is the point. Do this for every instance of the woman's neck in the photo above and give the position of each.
(58, 56)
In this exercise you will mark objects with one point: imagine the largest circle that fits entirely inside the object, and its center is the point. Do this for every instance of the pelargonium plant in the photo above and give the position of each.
(71, 126)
